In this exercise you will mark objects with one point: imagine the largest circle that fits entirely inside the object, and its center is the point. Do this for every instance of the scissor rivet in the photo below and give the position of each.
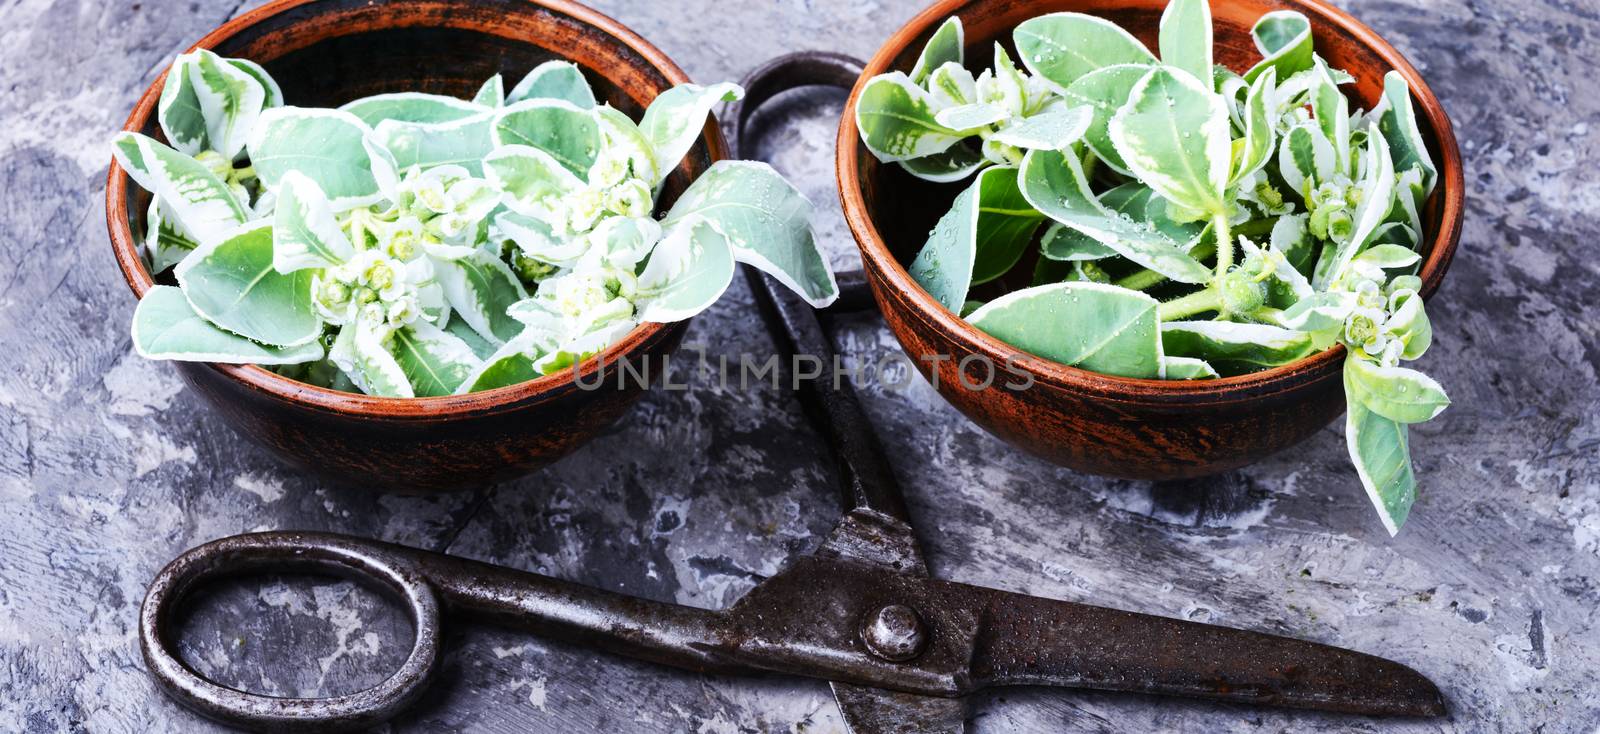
(894, 633)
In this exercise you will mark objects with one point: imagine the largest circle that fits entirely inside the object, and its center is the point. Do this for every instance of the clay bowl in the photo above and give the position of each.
(1121, 427)
(330, 52)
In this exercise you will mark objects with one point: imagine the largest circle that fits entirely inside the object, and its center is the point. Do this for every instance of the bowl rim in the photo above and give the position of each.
(885, 268)
(265, 382)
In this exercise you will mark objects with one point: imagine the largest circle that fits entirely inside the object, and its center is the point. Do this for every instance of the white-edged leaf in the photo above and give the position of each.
(165, 326)
(895, 119)
(1235, 348)
(561, 80)
(274, 92)
(1054, 183)
(956, 163)
(946, 45)
(1053, 129)
(1284, 39)
(676, 118)
(305, 233)
(178, 110)
(529, 175)
(1186, 368)
(1380, 449)
(1104, 91)
(481, 288)
(492, 93)
(164, 244)
(688, 271)
(1174, 134)
(230, 99)
(1061, 47)
(359, 351)
(435, 362)
(462, 142)
(1098, 327)
(411, 107)
(767, 222)
(970, 117)
(233, 284)
(1259, 131)
(1305, 158)
(1397, 121)
(557, 127)
(202, 206)
(325, 145)
(1396, 393)
(622, 135)
(1185, 38)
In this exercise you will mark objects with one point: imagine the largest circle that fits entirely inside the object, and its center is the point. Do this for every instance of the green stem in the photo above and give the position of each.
(1197, 302)
(1150, 278)
(1224, 239)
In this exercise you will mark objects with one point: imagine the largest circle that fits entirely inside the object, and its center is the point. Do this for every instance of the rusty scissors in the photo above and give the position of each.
(901, 649)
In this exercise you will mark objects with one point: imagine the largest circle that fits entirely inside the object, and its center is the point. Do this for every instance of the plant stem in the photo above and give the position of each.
(1224, 239)
(1197, 302)
(1149, 278)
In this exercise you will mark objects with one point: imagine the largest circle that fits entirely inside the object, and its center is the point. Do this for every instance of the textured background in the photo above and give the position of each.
(108, 467)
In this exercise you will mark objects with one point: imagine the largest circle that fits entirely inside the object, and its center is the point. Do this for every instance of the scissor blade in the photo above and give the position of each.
(877, 711)
(1028, 640)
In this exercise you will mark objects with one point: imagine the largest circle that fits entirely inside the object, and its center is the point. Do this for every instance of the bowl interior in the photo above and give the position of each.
(329, 52)
(903, 208)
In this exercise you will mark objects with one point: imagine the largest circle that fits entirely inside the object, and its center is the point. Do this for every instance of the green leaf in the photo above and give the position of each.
(1260, 130)
(325, 145)
(179, 109)
(1174, 135)
(480, 288)
(1284, 39)
(1397, 121)
(1061, 47)
(1397, 393)
(1055, 185)
(1185, 38)
(480, 346)
(274, 92)
(411, 107)
(1291, 237)
(1377, 187)
(435, 361)
(687, 272)
(202, 206)
(560, 80)
(164, 244)
(1104, 90)
(622, 136)
(530, 176)
(982, 236)
(1053, 129)
(1305, 158)
(896, 120)
(1381, 452)
(462, 142)
(1408, 322)
(957, 163)
(231, 100)
(569, 134)
(946, 45)
(233, 285)
(1186, 368)
(166, 327)
(1098, 327)
(360, 352)
(1233, 348)
(492, 93)
(766, 220)
(951, 85)
(1064, 243)
(305, 233)
(501, 370)
(675, 120)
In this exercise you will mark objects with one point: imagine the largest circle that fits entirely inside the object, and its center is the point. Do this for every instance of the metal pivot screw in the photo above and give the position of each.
(894, 633)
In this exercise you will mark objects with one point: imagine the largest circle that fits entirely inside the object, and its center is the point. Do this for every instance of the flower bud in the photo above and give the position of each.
(1241, 292)
(630, 199)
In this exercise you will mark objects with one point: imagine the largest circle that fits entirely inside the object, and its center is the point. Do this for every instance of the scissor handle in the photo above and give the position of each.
(387, 567)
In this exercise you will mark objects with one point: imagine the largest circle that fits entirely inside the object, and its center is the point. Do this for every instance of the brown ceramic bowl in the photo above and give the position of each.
(330, 52)
(1122, 427)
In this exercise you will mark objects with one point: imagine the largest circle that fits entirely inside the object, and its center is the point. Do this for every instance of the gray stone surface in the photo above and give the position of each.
(108, 467)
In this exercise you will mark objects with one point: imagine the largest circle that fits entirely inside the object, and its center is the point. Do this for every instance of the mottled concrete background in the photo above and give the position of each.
(108, 467)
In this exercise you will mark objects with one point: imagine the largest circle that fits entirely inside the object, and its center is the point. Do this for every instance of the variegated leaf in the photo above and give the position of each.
(1061, 47)
(165, 326)
(411, 107)
(557, 127)
(896, 120)
(231, 100)
(1098, 327)
(561, 80)
(675, 120)
(233, 284)
(202, 206)
(1185, 38)
(687, 272)
(325, 145)
(305, 233)
(1173, 134)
